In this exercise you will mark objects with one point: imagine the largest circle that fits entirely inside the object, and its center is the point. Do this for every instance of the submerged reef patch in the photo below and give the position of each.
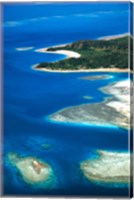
(33, 171)
(114, 111)
(108, 168)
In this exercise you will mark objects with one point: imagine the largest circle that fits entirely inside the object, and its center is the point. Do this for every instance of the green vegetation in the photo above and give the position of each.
(94, 54)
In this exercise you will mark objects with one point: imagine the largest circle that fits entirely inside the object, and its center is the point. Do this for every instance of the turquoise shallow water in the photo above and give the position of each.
(31, 96)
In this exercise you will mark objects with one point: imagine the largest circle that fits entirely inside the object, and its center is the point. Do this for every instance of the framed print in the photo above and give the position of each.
(66, 99)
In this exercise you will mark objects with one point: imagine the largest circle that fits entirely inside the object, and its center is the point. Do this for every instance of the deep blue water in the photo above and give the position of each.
(31, 96)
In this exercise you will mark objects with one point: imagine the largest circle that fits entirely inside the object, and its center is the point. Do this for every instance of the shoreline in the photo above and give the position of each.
(53, 46)
(112, 37)
(114, 70)
(67, 53)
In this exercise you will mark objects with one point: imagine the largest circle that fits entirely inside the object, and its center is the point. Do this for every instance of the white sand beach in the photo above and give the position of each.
(111, 37)
(68, 54)
(116, 70)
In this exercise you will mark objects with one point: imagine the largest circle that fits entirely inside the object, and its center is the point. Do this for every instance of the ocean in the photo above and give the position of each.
(30, 96)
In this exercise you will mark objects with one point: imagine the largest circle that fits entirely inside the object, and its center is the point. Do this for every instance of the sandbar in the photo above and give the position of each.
(24, 48)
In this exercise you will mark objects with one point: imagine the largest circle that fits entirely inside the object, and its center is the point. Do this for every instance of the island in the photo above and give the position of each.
(113, 111)
(32, 170)
(108, 168)
(89, 55)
